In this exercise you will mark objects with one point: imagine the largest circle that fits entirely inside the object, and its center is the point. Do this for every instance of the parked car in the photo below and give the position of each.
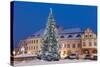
(72, 56)
(39, 57)
(87, 57)
(50, 58)
(94, 57)
(66, 57)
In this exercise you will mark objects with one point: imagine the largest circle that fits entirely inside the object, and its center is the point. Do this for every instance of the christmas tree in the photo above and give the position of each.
(50, 48)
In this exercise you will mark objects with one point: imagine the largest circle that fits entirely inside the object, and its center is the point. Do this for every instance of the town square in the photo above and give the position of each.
(55, 44)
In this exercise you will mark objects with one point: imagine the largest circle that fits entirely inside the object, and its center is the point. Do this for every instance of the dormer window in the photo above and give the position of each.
(61, 36)
(78, 35)
(33, 35)
(69, 36)
(38, 35)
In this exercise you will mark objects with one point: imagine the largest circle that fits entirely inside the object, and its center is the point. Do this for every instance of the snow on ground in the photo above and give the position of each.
(24, 55)
(41, 62)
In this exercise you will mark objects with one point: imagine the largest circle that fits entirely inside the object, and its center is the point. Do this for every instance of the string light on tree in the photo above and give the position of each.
(50, 47)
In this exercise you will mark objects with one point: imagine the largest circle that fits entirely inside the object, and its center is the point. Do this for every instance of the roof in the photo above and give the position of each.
(72, 30)
(71, 33)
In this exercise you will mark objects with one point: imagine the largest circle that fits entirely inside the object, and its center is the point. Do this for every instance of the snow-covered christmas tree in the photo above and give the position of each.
(50, 48)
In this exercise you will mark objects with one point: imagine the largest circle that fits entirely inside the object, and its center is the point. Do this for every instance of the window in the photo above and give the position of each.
(61, 36)
(85, 35)
(36, 41)
(95, 44)
(32, 41)
(38, 35)
(65, 46)
(68, 46)
(94, 51)
(64, 52)
(69, 36)
(90, 44)
(31, 47)
(73, 45)
(78, 35)
(34, 47)
(33, 35)
(84, 44)
(79, 45)
(86, 51)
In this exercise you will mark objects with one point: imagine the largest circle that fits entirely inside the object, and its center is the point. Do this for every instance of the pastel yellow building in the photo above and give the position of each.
(89, 42)
(69, 46)
(70, 42)
(32, 45)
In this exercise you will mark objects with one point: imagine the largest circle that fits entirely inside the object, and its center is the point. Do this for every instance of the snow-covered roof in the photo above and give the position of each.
(72, 30)
(72, 33)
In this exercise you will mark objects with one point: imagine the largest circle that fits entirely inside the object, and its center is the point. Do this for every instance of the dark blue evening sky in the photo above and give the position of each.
(30, 17)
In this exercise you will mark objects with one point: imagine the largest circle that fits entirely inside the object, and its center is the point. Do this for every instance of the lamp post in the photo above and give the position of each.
(23, 50)
(14, 53)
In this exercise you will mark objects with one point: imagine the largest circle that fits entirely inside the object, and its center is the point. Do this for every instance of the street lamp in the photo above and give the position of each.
(23, 50)
(14, 53)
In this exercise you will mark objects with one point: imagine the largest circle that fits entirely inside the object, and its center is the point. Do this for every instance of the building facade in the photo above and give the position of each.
(89, 42)
(70, 41)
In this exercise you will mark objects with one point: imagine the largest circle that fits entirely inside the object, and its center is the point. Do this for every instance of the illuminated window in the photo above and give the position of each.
(94, 51)
(64, 53)
(63, 45)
